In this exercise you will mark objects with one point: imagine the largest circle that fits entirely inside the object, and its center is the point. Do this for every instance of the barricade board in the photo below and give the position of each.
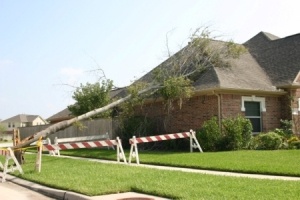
(134, 141)
(89, 144)
(58, 141)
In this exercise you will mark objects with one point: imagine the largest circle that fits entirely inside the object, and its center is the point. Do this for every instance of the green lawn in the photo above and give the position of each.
(281, 162)
(93, 178)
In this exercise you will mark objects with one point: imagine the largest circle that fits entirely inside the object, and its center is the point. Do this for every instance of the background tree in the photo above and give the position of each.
(91, 96)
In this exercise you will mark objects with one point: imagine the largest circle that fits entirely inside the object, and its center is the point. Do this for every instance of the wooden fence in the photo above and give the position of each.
(90, 128)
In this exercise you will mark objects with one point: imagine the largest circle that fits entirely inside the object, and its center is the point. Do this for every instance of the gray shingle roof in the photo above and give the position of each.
(270, 62)
(66, 113)
(279, 58)
(21, 118)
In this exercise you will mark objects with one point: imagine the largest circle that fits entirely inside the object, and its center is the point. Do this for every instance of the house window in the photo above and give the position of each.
(252, 112)
(8, 125)
(253, 106)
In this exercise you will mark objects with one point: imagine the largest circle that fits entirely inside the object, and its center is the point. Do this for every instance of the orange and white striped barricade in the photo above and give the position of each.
(134, 141)
(90, 144)
(9, 154)
(80, 139)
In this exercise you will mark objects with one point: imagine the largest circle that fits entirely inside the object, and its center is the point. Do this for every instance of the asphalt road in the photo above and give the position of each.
(9, 191)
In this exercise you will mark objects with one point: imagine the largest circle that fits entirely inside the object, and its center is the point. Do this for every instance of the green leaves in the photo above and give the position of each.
(91, 96)
(176, 88)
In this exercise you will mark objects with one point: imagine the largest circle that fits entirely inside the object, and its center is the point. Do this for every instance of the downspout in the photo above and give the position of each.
(219, 109)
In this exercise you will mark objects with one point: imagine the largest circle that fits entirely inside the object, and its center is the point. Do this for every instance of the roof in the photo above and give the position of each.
(278, 57)
(61, 115)
(271, 62)
(21, 118)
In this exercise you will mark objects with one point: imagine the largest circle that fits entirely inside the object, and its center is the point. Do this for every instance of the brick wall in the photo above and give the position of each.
(201, 108)
(191, 115)
(231, 105)
(272, 116)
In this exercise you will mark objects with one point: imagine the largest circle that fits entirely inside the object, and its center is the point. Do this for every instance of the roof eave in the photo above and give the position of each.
(290, 86)
(240, 91)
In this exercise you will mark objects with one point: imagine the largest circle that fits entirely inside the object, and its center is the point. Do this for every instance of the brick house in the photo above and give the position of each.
(263, 85)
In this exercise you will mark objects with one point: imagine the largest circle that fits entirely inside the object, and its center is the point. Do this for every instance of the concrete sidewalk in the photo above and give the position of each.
(68, 195)
(61, 194)
(211, 172)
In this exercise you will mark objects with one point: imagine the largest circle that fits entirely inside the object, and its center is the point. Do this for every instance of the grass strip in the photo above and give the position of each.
(93, 178)
(280, 162)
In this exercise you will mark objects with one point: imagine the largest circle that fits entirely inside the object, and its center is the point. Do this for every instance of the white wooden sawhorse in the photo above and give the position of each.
(58, 141)
(9, 154)
(90, 144)
(134, 141)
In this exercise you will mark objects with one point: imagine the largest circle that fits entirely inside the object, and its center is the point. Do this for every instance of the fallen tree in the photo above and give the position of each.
(64, 124)
(172, 80)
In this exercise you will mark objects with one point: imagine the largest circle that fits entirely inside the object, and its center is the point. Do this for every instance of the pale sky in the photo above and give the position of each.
(48, 44)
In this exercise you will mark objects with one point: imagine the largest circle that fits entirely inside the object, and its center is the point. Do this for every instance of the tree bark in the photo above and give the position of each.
(64, 124)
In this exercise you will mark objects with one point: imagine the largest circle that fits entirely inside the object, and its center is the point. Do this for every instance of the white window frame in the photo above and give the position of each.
(295, 111)
(262, 101)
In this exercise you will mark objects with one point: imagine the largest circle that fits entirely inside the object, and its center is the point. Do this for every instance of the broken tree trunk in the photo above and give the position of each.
(64, 124)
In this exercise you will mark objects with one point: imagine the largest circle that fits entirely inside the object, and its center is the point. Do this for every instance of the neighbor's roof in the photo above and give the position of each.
(22, 118)
(66, 113)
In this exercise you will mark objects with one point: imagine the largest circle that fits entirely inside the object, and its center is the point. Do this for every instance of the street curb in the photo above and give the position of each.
(50, 192)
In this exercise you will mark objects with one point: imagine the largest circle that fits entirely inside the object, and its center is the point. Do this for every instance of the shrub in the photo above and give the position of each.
(209, 135)
(246, 131)
(232, 139)
(237, 133)
(268, 141)
(286, 128)
(135, 126)
(294, 143)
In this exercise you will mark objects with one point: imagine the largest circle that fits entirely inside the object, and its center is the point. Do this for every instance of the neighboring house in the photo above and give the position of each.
(60, 116)
(22, 120)
(66, 113)
(263, 85)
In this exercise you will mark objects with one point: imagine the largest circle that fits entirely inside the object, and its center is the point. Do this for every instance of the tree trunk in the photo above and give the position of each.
(19, 154)
(64, 124)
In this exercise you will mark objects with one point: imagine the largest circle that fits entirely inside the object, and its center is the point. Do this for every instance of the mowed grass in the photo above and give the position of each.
(94, 178)
(281, 162)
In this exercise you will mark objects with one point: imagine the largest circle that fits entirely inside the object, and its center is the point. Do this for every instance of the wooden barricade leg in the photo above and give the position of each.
(56, 152)
(134, 151)
(193, 138)
(120, 151)
(9, 156)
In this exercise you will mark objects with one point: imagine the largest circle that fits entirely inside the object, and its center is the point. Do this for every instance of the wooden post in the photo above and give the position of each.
(19, 154)
(38, 162)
